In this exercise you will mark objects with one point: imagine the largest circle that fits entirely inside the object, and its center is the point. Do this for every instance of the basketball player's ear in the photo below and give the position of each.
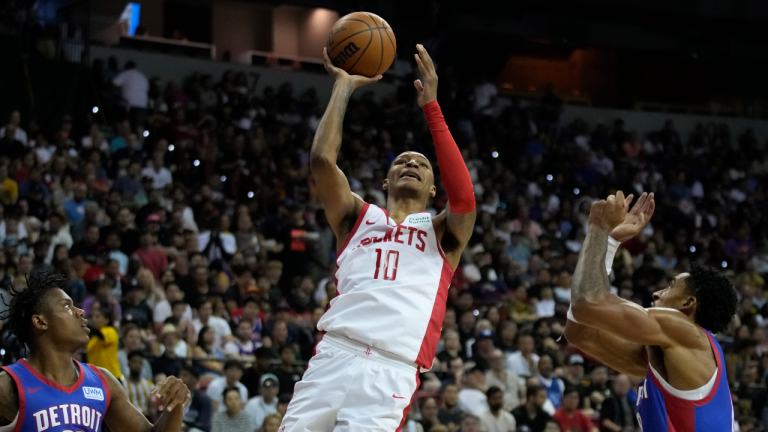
(40, 322)
(385, 186)
(432, 191)
(690, 302)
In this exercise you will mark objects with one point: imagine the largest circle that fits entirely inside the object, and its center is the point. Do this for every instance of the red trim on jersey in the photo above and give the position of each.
(104, 383)
(359, 220)
(671, 426)
(22, 399)
(408, 408)
(670, 399)
(386, 215)
(52, 383)
(429, 344)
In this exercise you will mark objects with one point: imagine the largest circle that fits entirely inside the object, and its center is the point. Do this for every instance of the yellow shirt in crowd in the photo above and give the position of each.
(103, 353)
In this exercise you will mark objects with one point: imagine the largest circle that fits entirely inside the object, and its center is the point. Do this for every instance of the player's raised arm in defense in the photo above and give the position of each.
(595, 306)
(341, 205)
(122, 416)
(455, 224)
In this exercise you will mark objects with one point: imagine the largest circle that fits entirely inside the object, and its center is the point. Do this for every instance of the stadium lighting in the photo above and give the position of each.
(495, 154)
(693, 249)
(549, 177)
(576, 191)
(223, 178)
(196, 163)
(724, 264)
(476, 312)
(250, 194)
(95, 109)
(171, 147)
(146, 134)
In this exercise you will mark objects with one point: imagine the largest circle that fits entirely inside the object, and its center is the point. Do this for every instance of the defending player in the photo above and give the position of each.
(50, 391)
(395, 265)
(670, 344)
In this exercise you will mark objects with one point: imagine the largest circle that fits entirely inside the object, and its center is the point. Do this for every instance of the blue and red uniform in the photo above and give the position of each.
(658, 410)
(45, 405)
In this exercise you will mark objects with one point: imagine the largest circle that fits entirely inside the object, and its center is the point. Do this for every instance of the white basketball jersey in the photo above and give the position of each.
(392, 286)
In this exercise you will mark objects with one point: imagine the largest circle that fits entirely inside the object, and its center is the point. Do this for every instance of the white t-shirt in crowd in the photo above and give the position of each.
(160, 179)
(217, 386)
(505, 422)
(163, 311)
(20, 135)
(220, 328)
(134, 87)
(517, 364)
(258, 409)
(473, 401)
(483, 95)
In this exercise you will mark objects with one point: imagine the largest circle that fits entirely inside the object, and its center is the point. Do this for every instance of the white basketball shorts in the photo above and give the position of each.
(349, 386)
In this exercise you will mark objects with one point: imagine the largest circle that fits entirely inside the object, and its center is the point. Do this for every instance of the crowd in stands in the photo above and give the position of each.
(190, 232)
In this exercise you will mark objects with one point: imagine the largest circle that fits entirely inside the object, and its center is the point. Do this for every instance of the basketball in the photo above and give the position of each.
(362, 43)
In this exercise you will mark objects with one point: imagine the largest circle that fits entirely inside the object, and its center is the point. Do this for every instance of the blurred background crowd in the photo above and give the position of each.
(190, 231)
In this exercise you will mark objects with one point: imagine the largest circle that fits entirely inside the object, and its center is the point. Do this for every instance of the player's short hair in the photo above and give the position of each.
(716, 300)
(533, 390)
(28, 302)
(493, 391)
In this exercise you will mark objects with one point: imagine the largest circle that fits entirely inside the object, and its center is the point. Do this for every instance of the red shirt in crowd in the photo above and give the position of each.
(577, 420)
(153, 259)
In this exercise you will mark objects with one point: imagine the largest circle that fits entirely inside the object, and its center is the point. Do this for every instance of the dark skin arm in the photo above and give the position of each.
(122, 416)
(341, 205)
(9, 399)
(453, 229)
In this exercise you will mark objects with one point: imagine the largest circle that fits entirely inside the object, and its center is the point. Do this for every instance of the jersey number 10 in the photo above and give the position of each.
(391, 258)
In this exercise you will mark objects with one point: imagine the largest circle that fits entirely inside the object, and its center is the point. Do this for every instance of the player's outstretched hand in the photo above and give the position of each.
(172, 393)
(609, 213)
(340, 74)
(427, 91)
(636, 219)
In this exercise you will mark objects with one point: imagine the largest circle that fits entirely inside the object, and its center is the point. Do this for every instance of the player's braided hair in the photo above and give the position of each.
(27, 302)
(715, 297)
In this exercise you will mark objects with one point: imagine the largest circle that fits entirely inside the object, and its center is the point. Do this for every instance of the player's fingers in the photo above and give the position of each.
(651, 207)
(420, 64)
(427, 57)
(177, 394)
(611, 197)
(419, 86)
(620, 197)
(628, 200)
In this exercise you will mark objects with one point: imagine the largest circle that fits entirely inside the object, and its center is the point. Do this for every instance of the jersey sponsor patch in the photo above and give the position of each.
(93, 393)
(416, 220)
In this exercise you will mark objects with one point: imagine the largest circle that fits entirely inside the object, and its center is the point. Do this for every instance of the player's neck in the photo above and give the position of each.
(400, 208)
(54, 364)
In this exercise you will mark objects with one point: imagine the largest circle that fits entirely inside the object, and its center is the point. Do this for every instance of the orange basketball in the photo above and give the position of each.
(362, 43)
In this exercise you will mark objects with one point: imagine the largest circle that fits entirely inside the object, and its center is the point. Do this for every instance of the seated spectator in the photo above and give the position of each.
(496, 419)
(507, 381)
(449, 413)
(251, 312)
(205, 318)
(288, 373)
(179, 345)
(161, 176)
(554, 386)
(242, 348)
(198, 414)
(205, 350)
(531, 413)
(139, 389)
(470, 423)
(252, 375)
(163, 308)
(524, 361)
(271, 423)
(428, 410)
(103, 295)
(618, 413)
(17, 133)
(102, 348)
(482, 349)
(233, 371)
(231, 418)
(112, 248)
(135, 307)
(151, 257)
(131, 341)
(75, 208)
(569, 416)
(59, 235)
(167, 364)
(261, 406)
(472, 398)
(9, 189)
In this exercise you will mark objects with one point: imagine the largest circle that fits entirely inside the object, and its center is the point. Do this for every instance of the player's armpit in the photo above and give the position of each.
(624, 356)
(121, 415)
(654, 326)
(454, 231)
(9, 399)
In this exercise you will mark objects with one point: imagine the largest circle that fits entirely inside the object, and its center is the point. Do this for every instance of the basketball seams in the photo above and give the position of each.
(381, 52)
(371, 26)
(351, 68)
(341, 42)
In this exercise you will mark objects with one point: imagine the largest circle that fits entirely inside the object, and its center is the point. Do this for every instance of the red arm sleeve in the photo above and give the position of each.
(458, 185)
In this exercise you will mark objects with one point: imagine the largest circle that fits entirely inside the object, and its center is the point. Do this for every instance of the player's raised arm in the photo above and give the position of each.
(332, 185)
(459, 218)
(122, 416)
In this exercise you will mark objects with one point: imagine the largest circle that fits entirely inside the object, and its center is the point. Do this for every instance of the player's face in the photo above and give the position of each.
(66, 322)
(411, 171)
(674, 296)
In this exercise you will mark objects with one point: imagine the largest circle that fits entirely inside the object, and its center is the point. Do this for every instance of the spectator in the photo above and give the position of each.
(531, 413)
(135, 307)
(449, 413)
(205, 317)
(554, 386)
(198, 414)
(9, 189)
(618, 413)
(472, 398)
(102, 348)
(131, 340)
(496, 419)
(271, 423)
(242, 348)
(163, 308)
(524, 361)
(252, 375)
(18, 134)
(231, 418)
(160, 175)
(139, 389)
(288, 373)
(104, 297)
(205, 350)
(151, 257)
(59, 234)
(482, 349)
(574, 371)
(167, 364)
(261, 406)
(233, 371)
(470, 423)
(507, 381)
(75, 208)
(569, 416)
(134, 88)
(113, 244)
(428, 410)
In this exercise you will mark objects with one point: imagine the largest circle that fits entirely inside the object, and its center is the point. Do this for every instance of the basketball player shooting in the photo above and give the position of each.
(50, 391)
(670, 344)
(394, 269)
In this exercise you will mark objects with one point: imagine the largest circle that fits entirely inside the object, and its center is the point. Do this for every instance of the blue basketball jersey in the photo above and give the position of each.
(45, 405)
(658, 410)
